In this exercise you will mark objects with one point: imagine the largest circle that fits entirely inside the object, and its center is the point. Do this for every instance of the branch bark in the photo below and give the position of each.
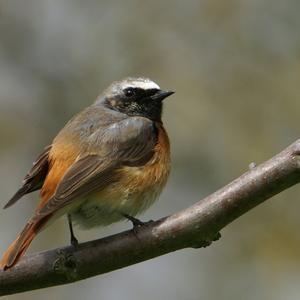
(196, 226)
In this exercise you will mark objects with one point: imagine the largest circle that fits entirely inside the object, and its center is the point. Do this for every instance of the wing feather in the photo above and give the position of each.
(128, 142)
(34, 179)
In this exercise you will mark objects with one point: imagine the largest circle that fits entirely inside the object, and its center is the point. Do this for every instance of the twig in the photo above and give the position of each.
(196, 226)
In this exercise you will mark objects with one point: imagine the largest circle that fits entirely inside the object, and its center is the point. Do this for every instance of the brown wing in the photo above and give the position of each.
(128, 142)
(34, 179)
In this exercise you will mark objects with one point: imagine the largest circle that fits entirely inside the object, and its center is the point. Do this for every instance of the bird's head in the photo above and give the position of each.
(135, 97)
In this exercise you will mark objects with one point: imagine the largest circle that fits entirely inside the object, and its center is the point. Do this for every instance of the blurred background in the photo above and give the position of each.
(235, 66)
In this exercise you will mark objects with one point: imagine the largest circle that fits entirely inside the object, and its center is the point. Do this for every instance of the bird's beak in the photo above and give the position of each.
(161, 95)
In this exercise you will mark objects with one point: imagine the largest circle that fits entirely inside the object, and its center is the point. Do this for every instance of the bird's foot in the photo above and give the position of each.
(74, 241)
(137, 224)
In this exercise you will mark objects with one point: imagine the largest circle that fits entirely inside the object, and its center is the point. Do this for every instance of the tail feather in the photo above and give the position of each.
(18, 247)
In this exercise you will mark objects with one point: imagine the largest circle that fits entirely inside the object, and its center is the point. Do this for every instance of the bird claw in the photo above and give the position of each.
(137, 224)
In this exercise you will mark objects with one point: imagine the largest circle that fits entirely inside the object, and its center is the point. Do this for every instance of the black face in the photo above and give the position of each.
(139, 102)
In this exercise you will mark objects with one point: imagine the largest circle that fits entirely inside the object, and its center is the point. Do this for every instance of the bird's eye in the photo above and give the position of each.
(129, 92)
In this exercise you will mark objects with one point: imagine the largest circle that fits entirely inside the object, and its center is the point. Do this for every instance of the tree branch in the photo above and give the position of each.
(194, 227)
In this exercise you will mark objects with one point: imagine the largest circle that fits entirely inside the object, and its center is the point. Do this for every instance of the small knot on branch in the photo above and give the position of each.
(203, 243)
(66, 264)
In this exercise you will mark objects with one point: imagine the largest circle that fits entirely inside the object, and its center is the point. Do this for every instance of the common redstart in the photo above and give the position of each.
(110, 162)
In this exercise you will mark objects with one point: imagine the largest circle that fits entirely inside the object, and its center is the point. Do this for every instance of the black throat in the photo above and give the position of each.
(140, 104)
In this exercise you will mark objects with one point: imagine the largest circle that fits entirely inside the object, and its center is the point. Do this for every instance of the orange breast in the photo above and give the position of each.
(140, 186)
(149, 183)
(156, 171)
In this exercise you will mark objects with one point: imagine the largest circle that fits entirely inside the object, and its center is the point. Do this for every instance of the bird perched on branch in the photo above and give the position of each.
(110, 162)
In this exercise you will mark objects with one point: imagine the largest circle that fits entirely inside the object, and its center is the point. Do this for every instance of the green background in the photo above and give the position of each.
(235, 67)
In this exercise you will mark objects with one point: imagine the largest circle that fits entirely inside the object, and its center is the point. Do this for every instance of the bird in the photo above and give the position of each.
(109, 163)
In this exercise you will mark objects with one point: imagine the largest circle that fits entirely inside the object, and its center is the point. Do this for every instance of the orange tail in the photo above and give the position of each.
(18, 247)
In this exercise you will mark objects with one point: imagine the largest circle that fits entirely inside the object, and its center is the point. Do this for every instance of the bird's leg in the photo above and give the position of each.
(136, 222)
(74, 241)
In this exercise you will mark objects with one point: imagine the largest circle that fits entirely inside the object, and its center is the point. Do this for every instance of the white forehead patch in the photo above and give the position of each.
(142, 84)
